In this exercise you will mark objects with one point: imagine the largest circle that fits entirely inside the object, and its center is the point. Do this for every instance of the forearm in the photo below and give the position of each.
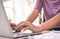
(33, 15)
(50, 23)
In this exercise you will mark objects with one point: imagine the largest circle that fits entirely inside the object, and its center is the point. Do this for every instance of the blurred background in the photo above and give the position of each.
(19, 10)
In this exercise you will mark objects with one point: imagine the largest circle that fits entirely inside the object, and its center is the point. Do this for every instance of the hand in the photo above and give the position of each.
(13, 25)
(20, 26)
(25, 26)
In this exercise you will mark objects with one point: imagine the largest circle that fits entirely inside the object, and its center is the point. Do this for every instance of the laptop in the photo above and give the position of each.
(5, 29)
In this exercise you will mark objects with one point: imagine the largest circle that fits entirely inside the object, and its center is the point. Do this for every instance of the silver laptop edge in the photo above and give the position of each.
(4, 24)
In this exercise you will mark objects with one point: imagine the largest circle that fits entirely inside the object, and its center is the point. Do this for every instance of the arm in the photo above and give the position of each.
(50, 23)
(33, 15)
(44, 26)
(35, 12)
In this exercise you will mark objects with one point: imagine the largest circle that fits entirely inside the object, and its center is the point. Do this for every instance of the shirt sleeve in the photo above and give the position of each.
(38, 5)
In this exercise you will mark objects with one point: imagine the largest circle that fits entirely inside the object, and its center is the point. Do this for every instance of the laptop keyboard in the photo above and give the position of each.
(20, 34)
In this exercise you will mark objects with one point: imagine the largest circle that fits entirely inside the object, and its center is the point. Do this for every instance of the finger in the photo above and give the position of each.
(25, 29)
(19, 25)
(12, 24)
(19, 29)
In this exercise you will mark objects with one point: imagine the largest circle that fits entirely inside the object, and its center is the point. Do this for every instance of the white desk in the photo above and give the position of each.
(47, 35)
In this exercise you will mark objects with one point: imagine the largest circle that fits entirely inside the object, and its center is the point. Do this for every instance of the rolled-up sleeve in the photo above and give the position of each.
(38, 5)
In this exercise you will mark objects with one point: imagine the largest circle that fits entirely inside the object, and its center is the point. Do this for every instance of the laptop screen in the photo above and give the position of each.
(5, 29)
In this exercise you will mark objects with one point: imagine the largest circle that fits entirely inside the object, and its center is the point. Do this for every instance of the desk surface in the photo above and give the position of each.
(46, 35)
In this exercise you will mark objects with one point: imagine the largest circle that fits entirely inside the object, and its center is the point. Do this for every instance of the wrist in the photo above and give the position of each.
(34, 29)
